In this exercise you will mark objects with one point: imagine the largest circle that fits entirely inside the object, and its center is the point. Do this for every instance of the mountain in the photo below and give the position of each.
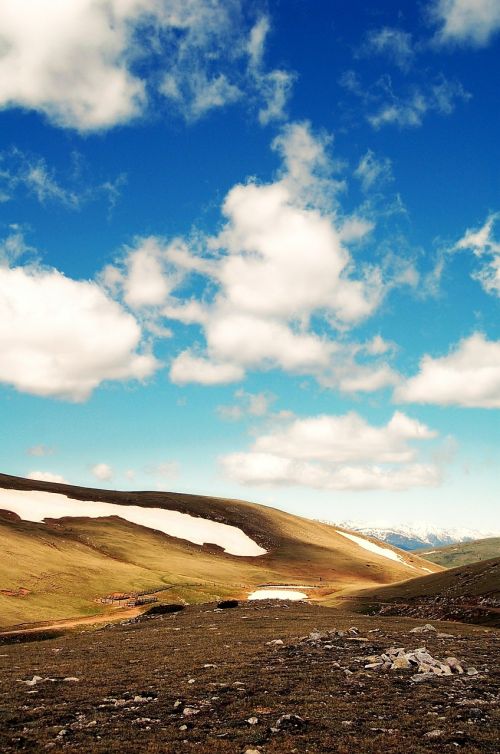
(469, 593)
(66, 551)
(464, 553)
(415, 536)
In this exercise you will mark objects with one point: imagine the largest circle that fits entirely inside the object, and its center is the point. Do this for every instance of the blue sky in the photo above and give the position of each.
(253, 250)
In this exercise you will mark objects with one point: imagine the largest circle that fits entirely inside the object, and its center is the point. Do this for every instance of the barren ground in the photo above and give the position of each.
(190, 682)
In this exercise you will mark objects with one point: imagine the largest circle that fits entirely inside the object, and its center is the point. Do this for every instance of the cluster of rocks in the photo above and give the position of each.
(322, 638)
(397, 658)
(420, 661)
(39, 679)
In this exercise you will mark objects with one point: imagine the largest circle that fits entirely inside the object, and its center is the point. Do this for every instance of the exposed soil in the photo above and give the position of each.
(207, 680)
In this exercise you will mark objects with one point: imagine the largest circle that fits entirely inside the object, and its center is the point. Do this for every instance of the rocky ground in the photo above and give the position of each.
(262, 677)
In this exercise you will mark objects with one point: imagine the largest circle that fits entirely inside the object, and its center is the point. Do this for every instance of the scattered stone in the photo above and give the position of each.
(401, 663)
(436, 733)
(290, 723)
(428, 628)
(275, 643)
(190, 711)
(32, 681)
(253, 720)
(454, 664)
(472, 671)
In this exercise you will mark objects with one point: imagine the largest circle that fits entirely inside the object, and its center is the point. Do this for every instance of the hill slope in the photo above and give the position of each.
(467, 593)
(465, 553)
(70, 546)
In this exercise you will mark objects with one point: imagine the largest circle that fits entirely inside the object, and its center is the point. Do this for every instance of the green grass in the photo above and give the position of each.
(463, 553)
(68, 564)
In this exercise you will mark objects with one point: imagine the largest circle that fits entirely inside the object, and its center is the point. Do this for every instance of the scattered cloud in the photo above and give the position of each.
(337, 452)
(384, 106)
(61, 337)
(468, 376)
(391, 43)
(247, 404)
(197, 55)
(487, 249)
(278, 237)
(373, 171)
(102, 471)
(13, 246)
(144, 275)
(46, 476)
(274, 86)
(20, 170)
(164, 470)
(409, 111)
(40, 451)
(466, 22)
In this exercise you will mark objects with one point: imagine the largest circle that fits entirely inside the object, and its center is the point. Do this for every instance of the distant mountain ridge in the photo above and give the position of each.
(416, 536)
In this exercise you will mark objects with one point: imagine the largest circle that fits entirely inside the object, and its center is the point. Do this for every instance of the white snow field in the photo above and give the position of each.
(37, 506)
(372, 547)
(283, 593)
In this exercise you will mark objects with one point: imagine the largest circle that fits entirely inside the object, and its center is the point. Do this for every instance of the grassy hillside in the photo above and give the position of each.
(463, 553)
(61, 568)
(469, 593)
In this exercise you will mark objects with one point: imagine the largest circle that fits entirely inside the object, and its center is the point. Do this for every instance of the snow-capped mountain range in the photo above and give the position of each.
(413, 536)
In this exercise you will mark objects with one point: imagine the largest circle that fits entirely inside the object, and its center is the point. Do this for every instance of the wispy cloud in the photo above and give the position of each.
(246, 405)
(391, 43)
(40, 451)
(483, 244)
(30, 173)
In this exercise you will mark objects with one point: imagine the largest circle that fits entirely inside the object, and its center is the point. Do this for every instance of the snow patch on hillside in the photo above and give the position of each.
(377, 549)
(37, 506)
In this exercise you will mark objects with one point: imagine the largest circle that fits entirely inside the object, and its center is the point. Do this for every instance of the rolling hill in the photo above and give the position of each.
(464, 553)
(468, 593)
(66, 549)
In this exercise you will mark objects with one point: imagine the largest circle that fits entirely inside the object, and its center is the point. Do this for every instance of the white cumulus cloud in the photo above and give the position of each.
(337, 452)
(61, 337)
(280, 259)
(468, 376)
(467, 22)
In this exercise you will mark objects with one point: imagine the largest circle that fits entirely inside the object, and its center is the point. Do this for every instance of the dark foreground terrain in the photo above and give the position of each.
(205, 680)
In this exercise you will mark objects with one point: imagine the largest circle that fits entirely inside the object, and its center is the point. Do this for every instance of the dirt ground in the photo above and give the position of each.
(204, 680)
